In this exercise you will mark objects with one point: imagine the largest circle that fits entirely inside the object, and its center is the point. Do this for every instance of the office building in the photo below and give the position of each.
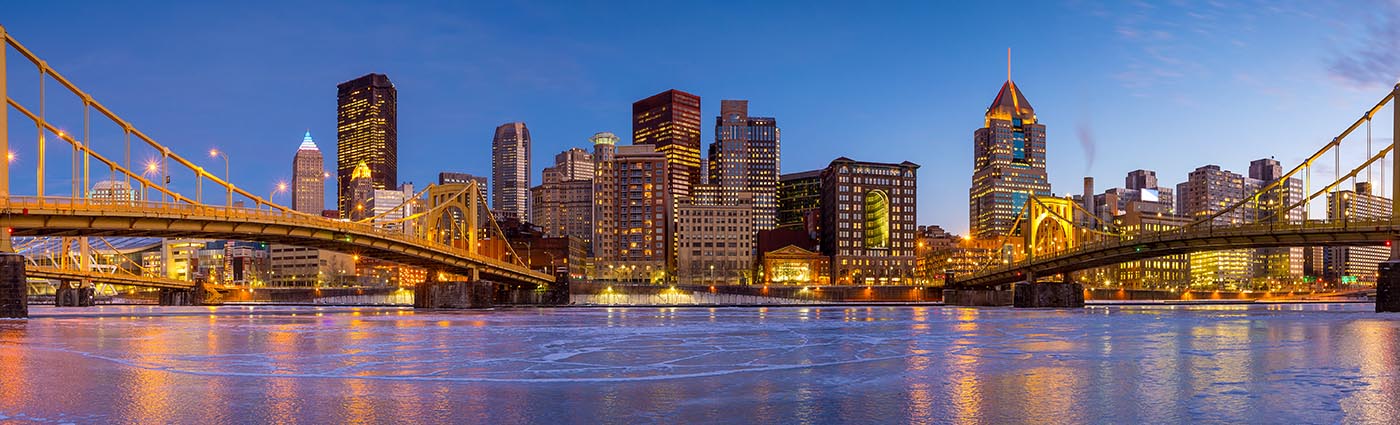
(1008, 163)
(744, 158)
(361, 192)
(111, 190)
(483, 210)
(716, 242)
(799, 197)
(308, 178)
(1345, 266)
(563, 202)
(670, 122)
(868, 213)
(510, 172)
(1276, 267)
(366, 132)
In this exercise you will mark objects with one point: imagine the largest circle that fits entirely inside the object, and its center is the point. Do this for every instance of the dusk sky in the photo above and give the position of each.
(1119, 85)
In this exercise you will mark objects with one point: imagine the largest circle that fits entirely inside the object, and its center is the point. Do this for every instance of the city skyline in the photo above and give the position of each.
(1094, 132)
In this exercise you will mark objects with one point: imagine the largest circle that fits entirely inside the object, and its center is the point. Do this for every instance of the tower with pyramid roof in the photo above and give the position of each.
(308, 178)
(1008, 163)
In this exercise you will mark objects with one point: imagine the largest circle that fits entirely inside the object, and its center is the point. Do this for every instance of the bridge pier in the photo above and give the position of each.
(1067, 294)
(199, 295)
(996, 296)
(454, 295)
(1388, 287)
(74, 294)
(14, 290)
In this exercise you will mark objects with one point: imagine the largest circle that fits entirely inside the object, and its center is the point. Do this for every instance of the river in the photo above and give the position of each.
(1279, 363)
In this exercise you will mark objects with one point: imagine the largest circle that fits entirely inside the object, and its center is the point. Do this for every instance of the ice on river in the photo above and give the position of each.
(1285, 363)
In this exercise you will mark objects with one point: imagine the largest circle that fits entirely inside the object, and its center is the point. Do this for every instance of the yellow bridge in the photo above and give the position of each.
(167, 196)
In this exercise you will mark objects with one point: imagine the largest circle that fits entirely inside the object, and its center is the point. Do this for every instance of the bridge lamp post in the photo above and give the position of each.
(280, 188)
(214, 153)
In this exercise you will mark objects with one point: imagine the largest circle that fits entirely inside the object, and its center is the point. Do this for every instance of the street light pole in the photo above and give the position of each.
(228, 184)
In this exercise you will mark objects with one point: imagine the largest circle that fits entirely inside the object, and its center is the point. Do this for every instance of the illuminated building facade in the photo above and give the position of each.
(868, 213)
(1171, 272)
(670, 121)
(563, 202)
(1008, 163)
(800, 201)
(510, 172)
(716, 241)
(361, 191)
(1276, 266)
(744, 158)
(791, 257)
(632, 211)
(366, 132)
(1206, 191)
(294, 266)
(390, 207)
(1355, 265)
(308, 178)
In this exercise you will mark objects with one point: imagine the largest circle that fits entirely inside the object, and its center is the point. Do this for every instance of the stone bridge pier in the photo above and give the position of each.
(74, 293)
(14, 289)
(1024, 294)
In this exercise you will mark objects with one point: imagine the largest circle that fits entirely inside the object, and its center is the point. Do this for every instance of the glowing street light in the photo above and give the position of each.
(215, 153)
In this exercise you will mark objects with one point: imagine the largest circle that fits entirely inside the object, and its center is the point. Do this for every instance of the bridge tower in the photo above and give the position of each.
(1048, 226)
(1388, 281)
(14, 291)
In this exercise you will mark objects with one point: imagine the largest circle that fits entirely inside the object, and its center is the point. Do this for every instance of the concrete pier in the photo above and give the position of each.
(14, 289)
(1049, 295)
(477, 294)
(178, 297)
(74, 294)
(1388, 288)
(997, 296)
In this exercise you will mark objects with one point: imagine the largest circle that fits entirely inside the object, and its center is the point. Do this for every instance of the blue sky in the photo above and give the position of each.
(1167, 86)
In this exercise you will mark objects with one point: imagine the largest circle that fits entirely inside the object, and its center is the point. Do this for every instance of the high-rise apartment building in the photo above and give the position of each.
(510, 171)
(670, 121)
(1209, 190)
(1353, 265)
(308, 178)
(799, 197)
(745, 158)
(868, 213)
(632, 210)
(1008, 163)
(366, 132)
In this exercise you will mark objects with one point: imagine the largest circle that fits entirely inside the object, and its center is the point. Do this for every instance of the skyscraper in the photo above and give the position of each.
(1008, 163)
(510, 171)
(308, 178)
(744, 158)
(574, 164)
(670, 121)
(563, 202)
(632, 211)
(366, 131)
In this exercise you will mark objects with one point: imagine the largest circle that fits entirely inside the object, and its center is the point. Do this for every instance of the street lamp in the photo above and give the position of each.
(712, 274)
(214, 153)
(281, 187)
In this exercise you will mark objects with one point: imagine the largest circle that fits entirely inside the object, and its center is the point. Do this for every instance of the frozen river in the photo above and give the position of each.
(1314, 363)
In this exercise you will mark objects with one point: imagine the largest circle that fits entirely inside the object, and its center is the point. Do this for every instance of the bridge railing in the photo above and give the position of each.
(1193, 233)
(148, 208)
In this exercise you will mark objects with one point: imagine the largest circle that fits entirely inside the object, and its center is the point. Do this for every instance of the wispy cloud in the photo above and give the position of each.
(1374, 59)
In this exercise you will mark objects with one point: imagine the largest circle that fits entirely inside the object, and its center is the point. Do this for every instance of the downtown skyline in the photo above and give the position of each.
(1107, 116)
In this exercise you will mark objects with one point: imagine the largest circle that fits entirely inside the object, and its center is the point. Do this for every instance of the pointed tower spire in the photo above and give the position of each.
(1008, 64)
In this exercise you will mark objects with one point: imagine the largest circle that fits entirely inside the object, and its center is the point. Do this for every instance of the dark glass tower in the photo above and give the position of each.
(670, 120)
(366, 131)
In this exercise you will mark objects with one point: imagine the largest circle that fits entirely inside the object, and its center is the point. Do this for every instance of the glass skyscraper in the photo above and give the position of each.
(366, 132)
(1008, 163)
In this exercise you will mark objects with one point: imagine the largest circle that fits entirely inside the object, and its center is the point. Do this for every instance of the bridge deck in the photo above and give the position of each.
(28, 216)
(1204, 238)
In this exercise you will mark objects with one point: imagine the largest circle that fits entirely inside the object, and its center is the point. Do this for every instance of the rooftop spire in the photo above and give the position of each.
(308, 144)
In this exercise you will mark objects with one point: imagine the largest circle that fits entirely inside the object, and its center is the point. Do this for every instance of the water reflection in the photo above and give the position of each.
(809, 364)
